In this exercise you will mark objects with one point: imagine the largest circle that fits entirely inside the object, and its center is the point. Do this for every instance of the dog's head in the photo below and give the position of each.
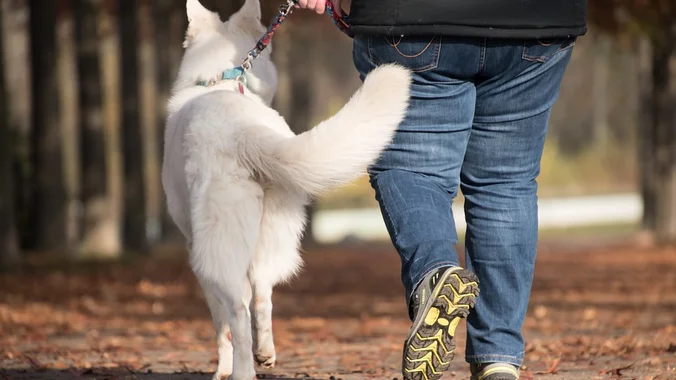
(212, 46)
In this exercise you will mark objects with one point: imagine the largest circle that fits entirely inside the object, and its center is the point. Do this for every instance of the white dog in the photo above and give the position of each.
(237, 179)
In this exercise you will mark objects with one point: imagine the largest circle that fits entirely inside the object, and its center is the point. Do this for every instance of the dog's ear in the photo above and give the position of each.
(251, 10)
(249, 17)
(198, 14)
(200, 19)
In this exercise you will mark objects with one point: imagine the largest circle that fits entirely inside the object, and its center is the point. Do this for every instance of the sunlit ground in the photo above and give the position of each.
(596, 312)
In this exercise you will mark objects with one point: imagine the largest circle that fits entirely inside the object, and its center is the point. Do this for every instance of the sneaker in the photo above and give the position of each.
(440, 301)
(494, 371)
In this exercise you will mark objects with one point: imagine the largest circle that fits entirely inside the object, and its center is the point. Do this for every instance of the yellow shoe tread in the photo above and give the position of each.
(430, 350)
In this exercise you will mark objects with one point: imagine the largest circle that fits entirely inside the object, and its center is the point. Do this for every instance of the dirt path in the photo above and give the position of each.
(592, 313)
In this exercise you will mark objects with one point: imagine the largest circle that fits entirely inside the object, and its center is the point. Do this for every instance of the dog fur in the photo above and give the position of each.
(237, 178)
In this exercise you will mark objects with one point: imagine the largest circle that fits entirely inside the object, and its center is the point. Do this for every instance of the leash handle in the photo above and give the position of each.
(342, 21)
(285, 10)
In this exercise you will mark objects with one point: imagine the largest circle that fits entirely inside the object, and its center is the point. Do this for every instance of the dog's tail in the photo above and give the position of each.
(339, 149)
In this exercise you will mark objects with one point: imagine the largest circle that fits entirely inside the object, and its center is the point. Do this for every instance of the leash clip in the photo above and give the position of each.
(286, 8)
(246, 64)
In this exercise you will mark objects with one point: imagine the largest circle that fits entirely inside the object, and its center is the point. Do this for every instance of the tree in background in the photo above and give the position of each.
(134, 211)
(9, 245)
(654, 20)
(48, 207)
(168, 38)
(99, 232)
(295, 64)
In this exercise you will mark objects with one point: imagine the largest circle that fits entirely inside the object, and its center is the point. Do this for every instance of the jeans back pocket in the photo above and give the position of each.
(541, 50)
(415, 53)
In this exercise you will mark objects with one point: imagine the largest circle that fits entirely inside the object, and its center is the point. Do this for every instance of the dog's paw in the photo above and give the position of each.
(223, 373)
(224, 376)
(233, 377)
(220, 376)
(266, 360)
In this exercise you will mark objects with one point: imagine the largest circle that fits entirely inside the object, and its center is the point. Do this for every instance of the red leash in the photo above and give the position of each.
(285, 10)
(239, 72)
(342, 22)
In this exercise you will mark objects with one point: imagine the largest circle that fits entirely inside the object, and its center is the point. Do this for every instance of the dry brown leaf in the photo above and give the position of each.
(616, 371)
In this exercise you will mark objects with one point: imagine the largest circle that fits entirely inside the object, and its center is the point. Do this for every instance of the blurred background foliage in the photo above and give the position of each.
(84, 85)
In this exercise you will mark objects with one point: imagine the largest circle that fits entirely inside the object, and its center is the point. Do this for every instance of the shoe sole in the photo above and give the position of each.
(428, 351)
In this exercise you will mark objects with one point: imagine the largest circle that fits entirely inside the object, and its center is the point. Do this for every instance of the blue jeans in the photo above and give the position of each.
(477, 120)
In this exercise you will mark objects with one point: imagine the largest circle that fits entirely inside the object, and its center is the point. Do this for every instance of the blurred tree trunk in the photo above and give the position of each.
(48, 214)
(68, 87)
(645, 138)
(148, 115)
(66, 56)
(654, 21)
(134, 210)
(109, 57)
(600, 89)
(178, 24)
(663, 133)
(294, 96)
(9, 245)
(18, 103)
(166, 40)
(99, 235)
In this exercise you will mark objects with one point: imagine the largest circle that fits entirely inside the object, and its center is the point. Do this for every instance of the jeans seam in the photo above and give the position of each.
(513, 360)
(491, 356)
(388, 214)
(482, 59)
(370, 51)
(494, 355)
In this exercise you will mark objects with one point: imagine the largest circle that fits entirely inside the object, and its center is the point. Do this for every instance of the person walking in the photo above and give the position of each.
(485, 76)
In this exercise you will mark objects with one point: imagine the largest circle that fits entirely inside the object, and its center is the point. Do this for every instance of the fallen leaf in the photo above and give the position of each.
(616, 371)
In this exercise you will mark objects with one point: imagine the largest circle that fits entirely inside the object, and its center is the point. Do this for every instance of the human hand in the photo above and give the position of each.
(319, 6)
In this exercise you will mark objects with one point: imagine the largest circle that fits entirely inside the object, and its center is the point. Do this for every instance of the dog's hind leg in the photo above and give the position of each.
(261, 309)
(276, 259)
(223, 335)
(225, 220)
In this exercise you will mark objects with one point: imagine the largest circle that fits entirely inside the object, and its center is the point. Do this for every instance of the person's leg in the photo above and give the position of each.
(417, 176)
(415, 181)
(519, 84)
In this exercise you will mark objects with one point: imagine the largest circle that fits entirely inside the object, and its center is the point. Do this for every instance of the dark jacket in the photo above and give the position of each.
(470, 18)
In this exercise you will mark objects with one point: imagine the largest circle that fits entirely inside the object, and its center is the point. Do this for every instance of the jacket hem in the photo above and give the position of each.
(469, 31)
